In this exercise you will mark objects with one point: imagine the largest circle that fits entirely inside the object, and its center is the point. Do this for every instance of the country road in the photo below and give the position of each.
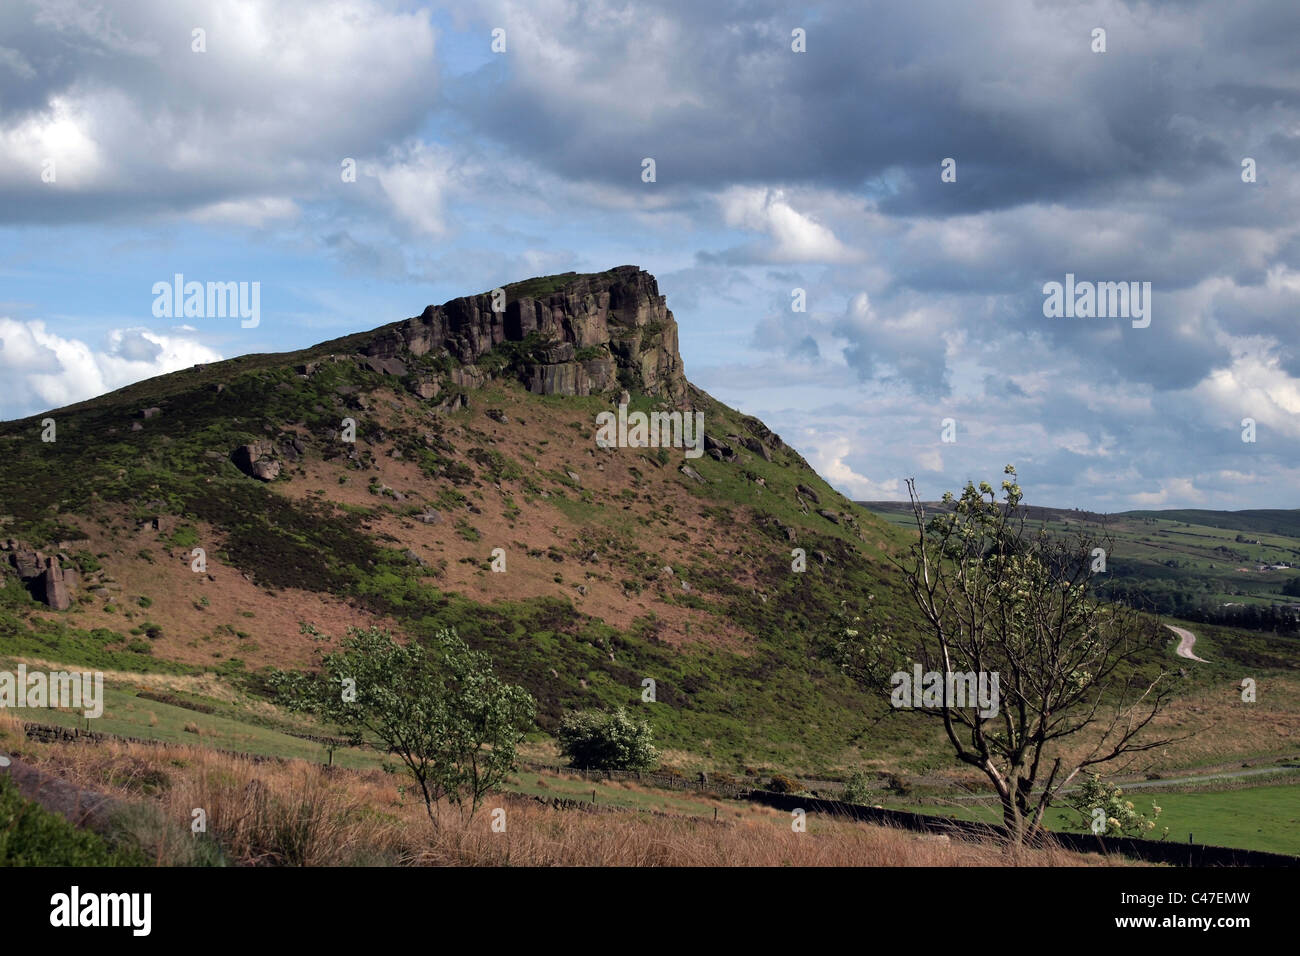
(1185, 641)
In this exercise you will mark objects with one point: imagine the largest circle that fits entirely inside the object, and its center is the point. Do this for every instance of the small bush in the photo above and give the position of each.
(780, 783)
(598, 741)
(857, 789)
(30, 835)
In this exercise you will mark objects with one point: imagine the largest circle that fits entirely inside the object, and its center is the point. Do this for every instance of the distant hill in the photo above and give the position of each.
(1221, 567)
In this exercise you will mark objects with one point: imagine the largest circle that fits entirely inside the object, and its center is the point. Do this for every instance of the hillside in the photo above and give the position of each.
(1235, 568)
(474, 431)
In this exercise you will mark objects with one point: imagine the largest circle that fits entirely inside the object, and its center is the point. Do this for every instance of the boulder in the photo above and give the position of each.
(830, 516)
(257, 460)
(29, 564)
(691, 473)
(717, 449)
(150, 413)
(52, 589)
(808, 493)
(756, 446)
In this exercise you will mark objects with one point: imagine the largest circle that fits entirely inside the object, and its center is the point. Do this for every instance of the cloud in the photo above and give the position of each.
(827, 453)
(134, 119)
(796, 237)
(60, 371)
(415, 183)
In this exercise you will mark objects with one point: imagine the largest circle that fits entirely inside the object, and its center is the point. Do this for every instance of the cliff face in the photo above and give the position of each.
(575, 335)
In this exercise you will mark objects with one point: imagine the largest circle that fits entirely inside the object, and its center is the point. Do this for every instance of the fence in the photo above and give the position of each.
(1150, 851)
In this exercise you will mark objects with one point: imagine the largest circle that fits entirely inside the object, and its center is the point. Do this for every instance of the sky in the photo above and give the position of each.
(914, 174)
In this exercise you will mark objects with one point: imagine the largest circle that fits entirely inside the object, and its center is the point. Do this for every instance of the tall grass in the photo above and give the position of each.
(301, 814)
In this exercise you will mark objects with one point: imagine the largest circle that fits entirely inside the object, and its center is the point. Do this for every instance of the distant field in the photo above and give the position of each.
(1200, 565)
(1257, 818)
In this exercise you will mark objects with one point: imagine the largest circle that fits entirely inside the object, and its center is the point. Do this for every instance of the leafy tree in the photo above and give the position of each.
(440, 708)
(1117, 816)
(858, 789)
(600, 741)
(1079, 680)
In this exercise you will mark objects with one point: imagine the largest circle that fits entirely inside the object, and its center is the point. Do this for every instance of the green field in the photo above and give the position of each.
(1256, 818)
(1204, 566)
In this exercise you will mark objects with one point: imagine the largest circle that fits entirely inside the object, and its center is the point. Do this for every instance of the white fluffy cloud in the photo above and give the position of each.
(60, 371)
(795, 236)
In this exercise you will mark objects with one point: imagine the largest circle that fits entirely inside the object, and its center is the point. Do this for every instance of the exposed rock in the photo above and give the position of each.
(415, 558)
(52, 589)
(468, 376)
(808, 493)
(256, 460)
(137, 427)
(429, 517)
(822, 557)
(830, 516)
(497, 416)
(690, 472)
(149, 413)
(717, 449)
(385, 366)
(28, 563)
(591, 330)
(573, 477)
(756, 446)
(426, 390)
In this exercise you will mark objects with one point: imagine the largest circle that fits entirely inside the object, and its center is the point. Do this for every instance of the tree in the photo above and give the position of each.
(1103, 810)
(599, 741)
(440, 708)
(1077, 681)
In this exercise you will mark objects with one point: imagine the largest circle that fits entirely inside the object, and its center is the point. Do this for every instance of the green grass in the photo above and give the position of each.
(1253, 818)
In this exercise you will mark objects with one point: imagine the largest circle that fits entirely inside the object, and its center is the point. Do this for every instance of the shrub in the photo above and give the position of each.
(857, 789)
(30, 835)
(599, 741)
(780, 783)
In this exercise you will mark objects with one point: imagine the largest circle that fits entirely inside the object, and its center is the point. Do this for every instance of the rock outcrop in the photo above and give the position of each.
(257, 460)
(45, 578)
(576, 335)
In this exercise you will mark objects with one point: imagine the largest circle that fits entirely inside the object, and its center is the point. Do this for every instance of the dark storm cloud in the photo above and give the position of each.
(1012, 91)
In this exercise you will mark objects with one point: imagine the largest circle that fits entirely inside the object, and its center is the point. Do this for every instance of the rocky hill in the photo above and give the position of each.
(444, 470)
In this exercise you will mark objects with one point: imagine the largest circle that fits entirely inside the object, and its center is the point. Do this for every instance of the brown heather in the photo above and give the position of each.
(299, 813)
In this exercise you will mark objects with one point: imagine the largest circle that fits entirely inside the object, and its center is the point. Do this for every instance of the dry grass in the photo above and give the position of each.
(298, 813)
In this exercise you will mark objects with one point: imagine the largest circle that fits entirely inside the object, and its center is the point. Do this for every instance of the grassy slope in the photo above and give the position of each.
(736, 659)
